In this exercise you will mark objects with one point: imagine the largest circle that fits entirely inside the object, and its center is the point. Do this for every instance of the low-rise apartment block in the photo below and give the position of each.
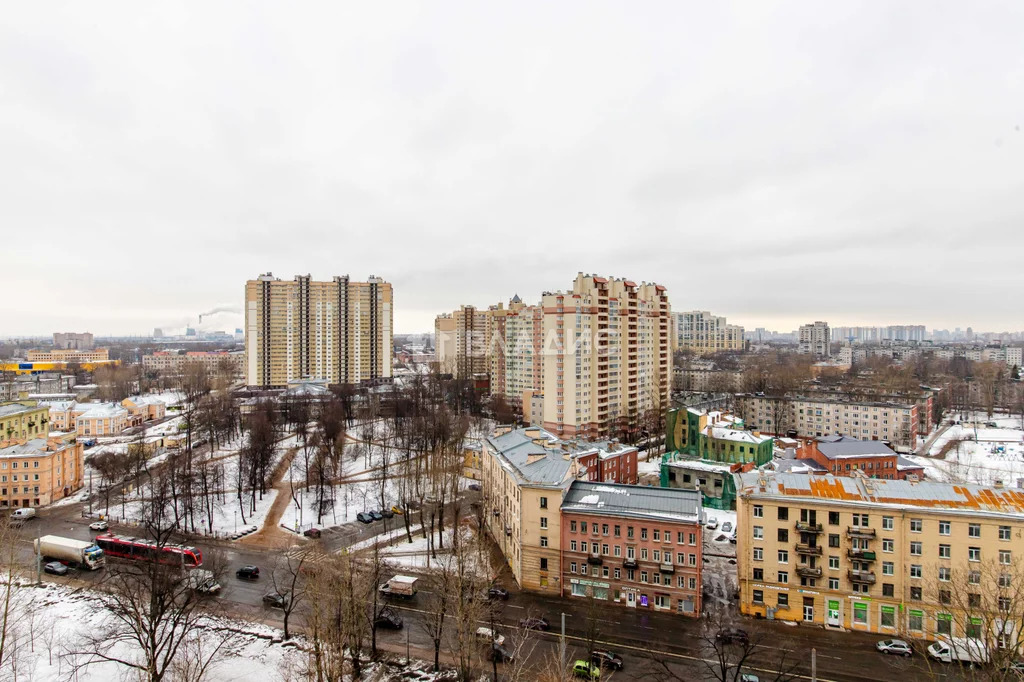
(104, 419)
(22, 421)
(39, 471)
(898, 558)
(846, 456)
(68, 355)
(215, 362)
(633, 545)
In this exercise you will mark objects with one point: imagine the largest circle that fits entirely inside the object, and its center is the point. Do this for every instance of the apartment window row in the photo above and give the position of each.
(583, 527)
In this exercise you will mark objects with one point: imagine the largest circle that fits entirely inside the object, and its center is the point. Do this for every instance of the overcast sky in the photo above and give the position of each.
(774, 163)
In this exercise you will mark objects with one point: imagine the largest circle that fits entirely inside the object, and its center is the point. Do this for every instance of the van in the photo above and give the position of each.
(24, 513)
(488, 634)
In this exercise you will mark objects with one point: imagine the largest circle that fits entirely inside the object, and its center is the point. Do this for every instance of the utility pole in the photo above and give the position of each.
(39, 558)
(814, 665)
(561, 651)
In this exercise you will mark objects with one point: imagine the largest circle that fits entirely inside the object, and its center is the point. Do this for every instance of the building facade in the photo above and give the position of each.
(72, 341)
(22, 421)
(68, 356)
(606, 356)
(215, 362)
(897, 558)
(815, 339)
(463, 341)
(703, 333)
(339, 331)
(39, 471)
(633, 545)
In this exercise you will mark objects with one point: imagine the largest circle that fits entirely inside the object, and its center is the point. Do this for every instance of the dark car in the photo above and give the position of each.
(388, 514)
(275, 600)
(499, 653)
(497, 592)
(606, 659)
(364, 517)
(248, 573)
(474, 486)
(56, 568)
(733, 636)
(388, 620)
(376, 516)
(535, 624)
(313, 533)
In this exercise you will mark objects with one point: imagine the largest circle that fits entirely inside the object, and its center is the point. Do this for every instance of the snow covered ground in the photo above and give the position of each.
(983, 451)
(349, 499)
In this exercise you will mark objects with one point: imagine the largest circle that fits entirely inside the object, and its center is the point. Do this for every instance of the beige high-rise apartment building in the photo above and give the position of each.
(338, 331)
(462, 340)
(703, 333)
(815, 339)
(918, 560)
(516, 360)
(606, 356)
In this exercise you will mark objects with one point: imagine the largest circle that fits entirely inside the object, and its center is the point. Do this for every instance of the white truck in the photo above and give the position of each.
(203, 581)
(403, 586)
(81, 553)
(24, 514)
(959, 649)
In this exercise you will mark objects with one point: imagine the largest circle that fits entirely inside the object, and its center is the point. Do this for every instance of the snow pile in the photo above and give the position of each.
(589, 499)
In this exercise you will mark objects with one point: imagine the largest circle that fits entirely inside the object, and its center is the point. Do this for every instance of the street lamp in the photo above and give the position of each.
(236, 520)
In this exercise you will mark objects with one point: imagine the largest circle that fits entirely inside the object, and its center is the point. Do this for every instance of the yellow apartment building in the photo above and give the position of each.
(22, 421)
(40, 471)
(919, 560)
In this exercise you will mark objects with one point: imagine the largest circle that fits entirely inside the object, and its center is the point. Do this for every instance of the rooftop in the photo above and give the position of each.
(895, 493)
(838, 447)
(12, 409)
(636, 501)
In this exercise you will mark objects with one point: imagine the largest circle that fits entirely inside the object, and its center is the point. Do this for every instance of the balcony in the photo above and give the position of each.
(595, 559)
(808, 572)
(630, 563)
(862, 577)
(803, 527)
(667, 568)
(862, 554)
(860, 532)
(801, 548)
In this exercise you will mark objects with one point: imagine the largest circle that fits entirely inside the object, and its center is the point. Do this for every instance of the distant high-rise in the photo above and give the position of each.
(815, 339)
(703, 333)
(463, 340)
(340, 331)
(72, 341)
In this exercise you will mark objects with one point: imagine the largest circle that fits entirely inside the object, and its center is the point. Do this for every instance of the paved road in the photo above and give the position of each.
(641, 637)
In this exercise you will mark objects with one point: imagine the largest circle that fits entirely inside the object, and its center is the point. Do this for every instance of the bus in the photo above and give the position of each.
(144, 550)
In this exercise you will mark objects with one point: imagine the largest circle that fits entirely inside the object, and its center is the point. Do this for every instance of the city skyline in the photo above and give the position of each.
(773, 165)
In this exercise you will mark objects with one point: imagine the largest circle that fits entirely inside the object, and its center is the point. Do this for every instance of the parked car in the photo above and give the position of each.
(364, 517)
(99, 525)
(474, 486)
(712, 523)
(733, 636)
(586, 670)
(499, 653)
(727, 527)
(275, 600)
(606, 659)
(490, 635)
(896, 647)
(389, 620)
(397, 509)
(56, 568)
(497, 592)
(376, 516)
(248, 573)
(749, 677)
(535, 624)
(313, 533)
(388, 514)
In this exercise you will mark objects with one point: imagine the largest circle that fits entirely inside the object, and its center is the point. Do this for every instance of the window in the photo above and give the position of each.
(604, 549)
(833, 583)
(833, 540)
(974, 577)
(631, 553)
(657, 556)
(783, 556)
(584, 546)
(680, 558)
(693, 538)
(1004, 580)
(543, 541)
(974, 628)
(860, 613)
(974, 530)
(944, 551)
(543, 564)
(1004, 603)
(604, 529)
(974, 553)
(783, 600)
(1004, 532)
(915, 548)
(1004, 557)
(974, 600)
(915, 621)
(833, 562)
(833, 518)
(543, 503)
(758, 511)
(943, 527)
(783, 577)
(888, 617)
(783, 535)
(888, 545)
(618, 573)
(572, 545)
(758, 596)
(643, 576)
(758, 574)
(643, 533)
(629, 531)
(680, 536)
(543, 522)
(944, 573)
(943, 623)
(758, 554)
(572, 567)
(657, 536)
(572, 526)
(915, 570)
(915, 525)
(887, 523)
(618, 531)
(583, 526)
(945, 596)
(887, 590)
(783, 513)
(915, 594)
(758, 532)
(643, 553)
(888, 567)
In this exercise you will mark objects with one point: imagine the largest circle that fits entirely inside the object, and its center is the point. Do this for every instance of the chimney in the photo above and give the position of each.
(997, 484)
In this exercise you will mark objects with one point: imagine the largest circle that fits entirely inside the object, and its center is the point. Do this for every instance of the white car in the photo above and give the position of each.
(99, 525)
(896, 647)
(712, 523)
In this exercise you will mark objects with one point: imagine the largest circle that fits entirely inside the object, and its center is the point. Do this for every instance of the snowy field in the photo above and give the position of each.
(349, 500)
(980, 452)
